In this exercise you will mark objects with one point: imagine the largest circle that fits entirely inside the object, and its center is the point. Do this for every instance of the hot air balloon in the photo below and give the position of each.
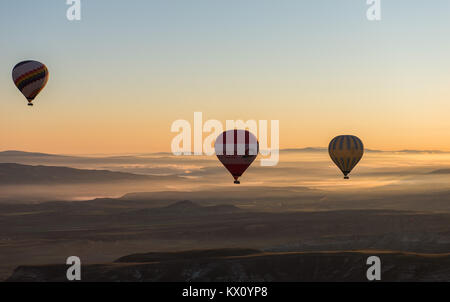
(346, 151)
(236, 150)
(30, 78)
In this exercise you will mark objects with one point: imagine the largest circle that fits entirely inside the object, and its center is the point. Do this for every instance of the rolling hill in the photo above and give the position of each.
(12, 173)
(246, 265)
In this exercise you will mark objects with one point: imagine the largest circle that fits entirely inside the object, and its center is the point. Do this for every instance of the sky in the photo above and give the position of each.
(123, 74)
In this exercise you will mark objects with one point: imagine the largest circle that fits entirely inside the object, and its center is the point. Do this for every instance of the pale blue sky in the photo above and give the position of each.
(134, 65)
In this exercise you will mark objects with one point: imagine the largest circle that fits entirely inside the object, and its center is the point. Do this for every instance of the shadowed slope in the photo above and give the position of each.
(251, 266)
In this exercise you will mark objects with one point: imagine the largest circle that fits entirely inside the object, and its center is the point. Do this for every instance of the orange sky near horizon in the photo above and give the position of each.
(122, 75)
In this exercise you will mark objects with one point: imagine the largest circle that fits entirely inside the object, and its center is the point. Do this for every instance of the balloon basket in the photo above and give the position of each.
(346, 177)
(237, 182)
(30, 104)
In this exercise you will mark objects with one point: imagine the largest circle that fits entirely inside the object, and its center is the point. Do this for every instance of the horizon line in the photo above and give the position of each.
(294, 149)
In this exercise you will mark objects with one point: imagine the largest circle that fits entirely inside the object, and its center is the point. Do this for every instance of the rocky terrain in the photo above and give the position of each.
(246, 265)
(260, 245)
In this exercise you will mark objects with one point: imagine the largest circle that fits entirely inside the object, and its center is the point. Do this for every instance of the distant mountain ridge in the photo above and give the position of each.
(12, 173)
(24, 153)
(17, 153)
(440, 171)
(324, 149)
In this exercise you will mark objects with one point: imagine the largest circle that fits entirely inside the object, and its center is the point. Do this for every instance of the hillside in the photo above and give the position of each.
(12, 173)
(251, 266)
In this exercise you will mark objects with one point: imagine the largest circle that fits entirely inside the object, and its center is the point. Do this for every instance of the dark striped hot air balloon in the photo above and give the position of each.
(346, 151)
(30, 78)
(236, 150)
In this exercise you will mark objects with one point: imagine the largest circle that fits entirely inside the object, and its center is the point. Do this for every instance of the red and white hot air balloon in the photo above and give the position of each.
(236, 150)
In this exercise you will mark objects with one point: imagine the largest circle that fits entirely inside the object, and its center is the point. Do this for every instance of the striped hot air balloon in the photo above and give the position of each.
(236, 150)
(30, 78)
(346, 151)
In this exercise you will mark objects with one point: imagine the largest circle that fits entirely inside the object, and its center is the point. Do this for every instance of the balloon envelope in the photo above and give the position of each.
(236, 150)
(346, 151)
(30, 78)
